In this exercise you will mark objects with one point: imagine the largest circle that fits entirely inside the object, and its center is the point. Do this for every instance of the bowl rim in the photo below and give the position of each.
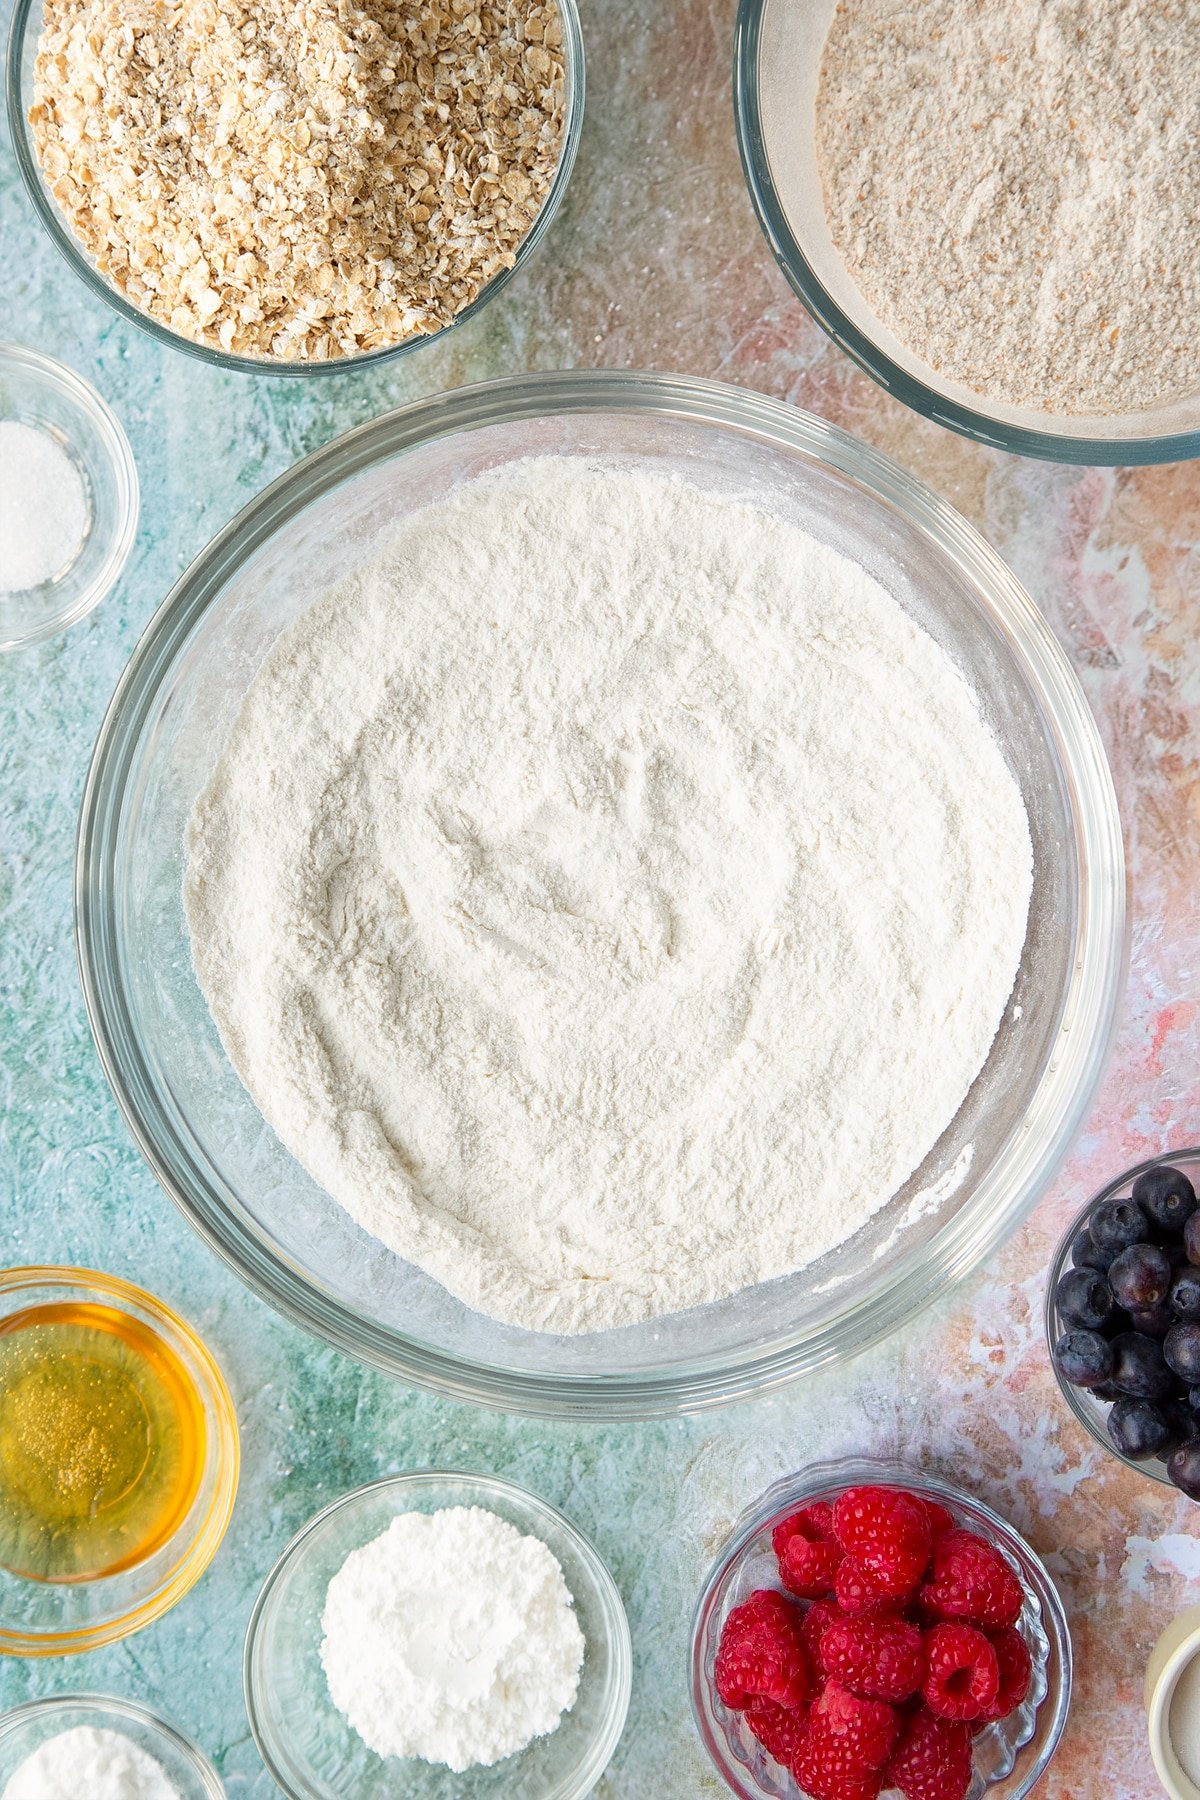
(26, 12)
(205, 1535)
(1023, 1169)
(1178, 1645)
(480, 1488)
(115, 1705)
(1151, 1468)
(969, 421)
(82, 395)
(806, 1485)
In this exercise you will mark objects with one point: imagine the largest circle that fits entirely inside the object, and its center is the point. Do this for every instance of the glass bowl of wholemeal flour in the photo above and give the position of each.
(599, 893)
(991, 209)
(340, 206)
(428, 1651)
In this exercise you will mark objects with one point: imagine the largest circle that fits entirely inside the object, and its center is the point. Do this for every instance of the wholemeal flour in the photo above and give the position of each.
(609, 896)
(1014, 187)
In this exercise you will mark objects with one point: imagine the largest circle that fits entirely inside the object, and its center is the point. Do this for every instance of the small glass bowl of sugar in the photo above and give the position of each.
(68, 497)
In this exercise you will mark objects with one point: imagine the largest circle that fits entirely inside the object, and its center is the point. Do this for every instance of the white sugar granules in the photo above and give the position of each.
(610, 896)
(452, 1637)
(43, 507)
(90, 1762)
(1014, 186)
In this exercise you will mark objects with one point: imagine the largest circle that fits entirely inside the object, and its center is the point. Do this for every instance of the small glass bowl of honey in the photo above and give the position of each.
(118, 1459)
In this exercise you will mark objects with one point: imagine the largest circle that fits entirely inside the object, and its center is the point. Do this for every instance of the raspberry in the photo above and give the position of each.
(777, 1729)
(856, 1592)
(843, 1746)
(818, 1767)
(865, 1728)
(964, 1672)
(808, 1553)
(761, 1654)
(817, 1619)
(821, 1772)
(971, 1581)
(812, 1522)
(940, 1519)
(881, 1658)
(1016, 1671)
(932, 1759)
(888, 1534)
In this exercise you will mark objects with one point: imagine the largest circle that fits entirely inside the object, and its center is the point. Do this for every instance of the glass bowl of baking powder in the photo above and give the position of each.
(887, 80)
(177, 1761)
(205, 1136)
(311, 1749)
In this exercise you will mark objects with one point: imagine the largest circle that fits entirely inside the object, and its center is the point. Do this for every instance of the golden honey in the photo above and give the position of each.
(102, 1441)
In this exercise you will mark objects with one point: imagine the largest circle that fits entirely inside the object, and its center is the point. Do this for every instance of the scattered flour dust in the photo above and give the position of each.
(1014, 187)
(453, 1637)
(609, 896)
(90, 1761)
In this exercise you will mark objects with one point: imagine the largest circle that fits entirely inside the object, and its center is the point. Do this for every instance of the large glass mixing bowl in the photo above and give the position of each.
(205, 1138)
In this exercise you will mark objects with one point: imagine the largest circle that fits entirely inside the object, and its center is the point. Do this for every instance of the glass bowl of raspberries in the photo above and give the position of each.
(1123, 1318)
(868, 1631)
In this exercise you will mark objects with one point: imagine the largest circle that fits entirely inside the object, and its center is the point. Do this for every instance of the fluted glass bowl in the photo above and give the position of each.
(25, 30)
(26, 1727)
(204, 1136)
(1091, 1412)
(315, 1754)
(61, 1618)
(1009, 1757)
(786, 192)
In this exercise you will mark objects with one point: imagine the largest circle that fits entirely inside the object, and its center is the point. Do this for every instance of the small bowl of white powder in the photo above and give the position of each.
(438, 1637)
(69, 1746)
(68, 497)
(991, 208)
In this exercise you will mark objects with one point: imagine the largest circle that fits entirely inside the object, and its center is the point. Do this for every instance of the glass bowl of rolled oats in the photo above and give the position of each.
(296, 185)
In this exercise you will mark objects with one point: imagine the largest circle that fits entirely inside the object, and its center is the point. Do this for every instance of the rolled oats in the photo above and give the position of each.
(303, 179)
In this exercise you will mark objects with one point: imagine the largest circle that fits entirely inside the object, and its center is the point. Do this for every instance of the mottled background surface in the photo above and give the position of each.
(656, 262)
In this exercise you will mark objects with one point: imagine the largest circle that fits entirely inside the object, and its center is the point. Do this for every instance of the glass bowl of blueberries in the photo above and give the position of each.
(1123, 1319)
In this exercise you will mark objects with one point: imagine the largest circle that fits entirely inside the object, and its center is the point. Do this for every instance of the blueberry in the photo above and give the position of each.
(1138, 1366)
(1166, 1196)
(1085, 1255)
(1181, 1421)
(1083, 1298)
(1140, 1277)
(1191, 1239)
(1183, 1467)
(1181, 1349)
(1083, 1358)
(1137, 1427)
(1155, 1322)
(1194, 1398)
(1106, 1390)
(1185, 1296)
(1115, 1224)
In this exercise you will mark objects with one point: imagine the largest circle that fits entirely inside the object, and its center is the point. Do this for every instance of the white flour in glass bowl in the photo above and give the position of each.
(610, 896)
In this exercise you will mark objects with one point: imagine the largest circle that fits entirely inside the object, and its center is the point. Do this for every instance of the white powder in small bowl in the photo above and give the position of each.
(451, 1637)
(43, 508)
(90, 1761)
